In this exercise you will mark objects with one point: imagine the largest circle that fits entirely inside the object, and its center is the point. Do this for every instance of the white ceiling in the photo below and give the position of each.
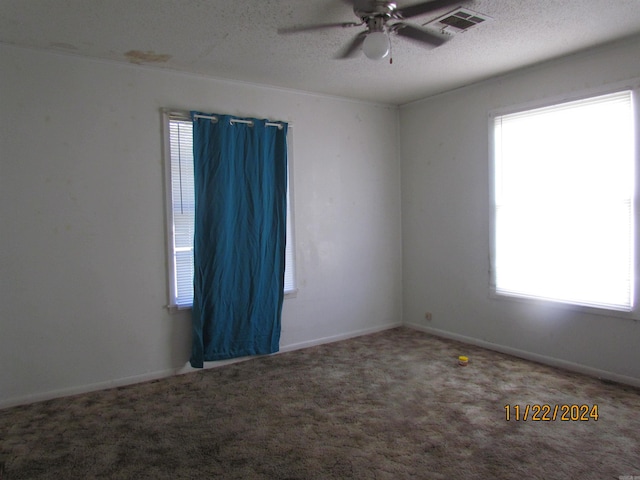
(239, 40)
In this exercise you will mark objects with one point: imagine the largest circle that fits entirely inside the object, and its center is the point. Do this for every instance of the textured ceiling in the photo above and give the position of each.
(239, 40)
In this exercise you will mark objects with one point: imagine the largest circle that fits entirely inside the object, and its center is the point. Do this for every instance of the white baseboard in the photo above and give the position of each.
(187, 368)
(551, 361)
(337, 338)
(92, 387)
(65, 392)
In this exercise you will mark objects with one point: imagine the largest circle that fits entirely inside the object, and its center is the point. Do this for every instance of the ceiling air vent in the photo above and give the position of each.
(460, 20)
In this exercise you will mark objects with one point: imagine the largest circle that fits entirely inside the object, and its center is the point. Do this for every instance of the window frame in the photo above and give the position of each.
(169, 115)
(633, 86)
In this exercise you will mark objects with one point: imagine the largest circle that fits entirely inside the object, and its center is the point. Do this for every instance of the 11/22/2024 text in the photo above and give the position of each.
(550, 413)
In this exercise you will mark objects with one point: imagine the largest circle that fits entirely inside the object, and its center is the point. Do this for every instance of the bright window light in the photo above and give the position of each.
(563, 203)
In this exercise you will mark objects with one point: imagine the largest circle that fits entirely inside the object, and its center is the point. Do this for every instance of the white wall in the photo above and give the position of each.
(82, 252)
(445, 209)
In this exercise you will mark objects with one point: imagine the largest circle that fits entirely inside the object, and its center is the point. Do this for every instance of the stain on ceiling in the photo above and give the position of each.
(239, 40)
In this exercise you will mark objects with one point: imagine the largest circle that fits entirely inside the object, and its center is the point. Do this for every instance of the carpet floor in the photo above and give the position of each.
(390, 405)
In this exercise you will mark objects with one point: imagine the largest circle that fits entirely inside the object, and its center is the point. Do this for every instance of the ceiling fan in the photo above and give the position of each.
(382, 18)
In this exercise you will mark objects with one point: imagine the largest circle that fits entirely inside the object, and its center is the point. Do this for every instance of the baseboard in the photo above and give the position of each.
(187, 368)
(551, 361)
(92, 387)
(337, 338)
(66, 392)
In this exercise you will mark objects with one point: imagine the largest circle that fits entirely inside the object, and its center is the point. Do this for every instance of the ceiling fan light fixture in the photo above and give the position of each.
(376, 46)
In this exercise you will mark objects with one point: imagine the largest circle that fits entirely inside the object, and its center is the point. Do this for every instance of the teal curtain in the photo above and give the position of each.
(240, 174)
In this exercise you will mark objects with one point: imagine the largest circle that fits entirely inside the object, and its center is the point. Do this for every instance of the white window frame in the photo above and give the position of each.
(290, 260)
(634, 87)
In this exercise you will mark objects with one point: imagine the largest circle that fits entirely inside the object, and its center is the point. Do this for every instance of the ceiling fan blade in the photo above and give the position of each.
(415, 32)
(351, 49)
(319, 26)
(425, 7)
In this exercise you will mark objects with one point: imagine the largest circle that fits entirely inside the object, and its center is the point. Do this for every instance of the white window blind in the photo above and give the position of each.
(182, 209)
(563, 203)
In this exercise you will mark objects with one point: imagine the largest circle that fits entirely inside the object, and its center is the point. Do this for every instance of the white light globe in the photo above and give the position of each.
(376, 45)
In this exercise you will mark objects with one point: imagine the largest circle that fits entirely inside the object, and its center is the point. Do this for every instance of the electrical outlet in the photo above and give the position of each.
(428, 316)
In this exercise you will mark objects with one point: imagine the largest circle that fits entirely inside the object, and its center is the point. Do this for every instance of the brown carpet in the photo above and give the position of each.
(391, 405)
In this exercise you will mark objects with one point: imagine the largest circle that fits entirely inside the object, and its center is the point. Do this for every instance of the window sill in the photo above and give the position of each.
(177, 308)
(556, 304)
(173, 309)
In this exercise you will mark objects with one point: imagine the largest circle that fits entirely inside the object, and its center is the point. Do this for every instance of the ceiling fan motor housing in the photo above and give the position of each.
(376, 24)
(376, 9)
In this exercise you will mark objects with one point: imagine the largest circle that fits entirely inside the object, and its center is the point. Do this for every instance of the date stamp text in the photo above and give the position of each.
(551, 413)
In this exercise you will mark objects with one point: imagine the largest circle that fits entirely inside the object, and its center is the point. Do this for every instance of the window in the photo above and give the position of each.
(563, 190)
(181, 210)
